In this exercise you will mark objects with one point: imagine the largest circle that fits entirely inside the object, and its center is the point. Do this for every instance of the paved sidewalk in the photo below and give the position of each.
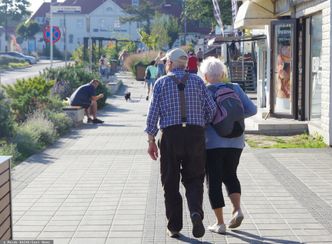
(98, 185)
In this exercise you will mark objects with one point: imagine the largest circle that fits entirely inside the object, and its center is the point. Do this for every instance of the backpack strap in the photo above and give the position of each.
(181, 84)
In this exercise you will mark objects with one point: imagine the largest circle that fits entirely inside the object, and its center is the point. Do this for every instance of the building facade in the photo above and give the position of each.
(100, 18)
(294, 62)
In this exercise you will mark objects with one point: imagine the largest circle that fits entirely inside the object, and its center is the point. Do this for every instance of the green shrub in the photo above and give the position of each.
(28, 95)
(10, 150)
(62, 123)
(34, 134)
(18, 65)
(77, 55)
(6, 118)
(71, 78)
(145, 58)
(26, 141)
(4, 61)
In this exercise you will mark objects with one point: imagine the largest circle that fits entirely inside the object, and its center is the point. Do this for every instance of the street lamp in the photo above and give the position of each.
(185, 22)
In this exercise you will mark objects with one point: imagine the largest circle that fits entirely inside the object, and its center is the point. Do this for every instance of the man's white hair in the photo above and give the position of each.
(213, 68)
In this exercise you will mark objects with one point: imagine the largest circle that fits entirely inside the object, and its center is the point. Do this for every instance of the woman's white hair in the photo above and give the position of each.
(213, 68)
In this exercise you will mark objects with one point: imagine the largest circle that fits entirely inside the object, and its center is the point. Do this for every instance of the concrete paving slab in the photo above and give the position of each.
(98, 185)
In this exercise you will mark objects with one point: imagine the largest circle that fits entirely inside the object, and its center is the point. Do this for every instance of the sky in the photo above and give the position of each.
(35, 4)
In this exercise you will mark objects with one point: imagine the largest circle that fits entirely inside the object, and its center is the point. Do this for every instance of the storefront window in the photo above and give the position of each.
(283, 70)
(316, 67)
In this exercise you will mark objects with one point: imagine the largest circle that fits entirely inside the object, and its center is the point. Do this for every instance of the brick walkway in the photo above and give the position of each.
(98, 185)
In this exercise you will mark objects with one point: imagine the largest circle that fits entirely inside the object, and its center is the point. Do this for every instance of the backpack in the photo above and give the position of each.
(147, 74)
(229, 119)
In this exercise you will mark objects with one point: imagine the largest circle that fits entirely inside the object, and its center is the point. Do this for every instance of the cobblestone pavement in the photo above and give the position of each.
(98, 185)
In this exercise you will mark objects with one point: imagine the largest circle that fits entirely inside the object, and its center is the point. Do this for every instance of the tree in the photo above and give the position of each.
(172, 30)
(166, 28)
(15, 10)
(28, 31)
(143, 14)
(203, 10)
(150, 40)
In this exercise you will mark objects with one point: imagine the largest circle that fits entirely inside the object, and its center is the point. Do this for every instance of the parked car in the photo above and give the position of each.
(5, 57)
(27, 58)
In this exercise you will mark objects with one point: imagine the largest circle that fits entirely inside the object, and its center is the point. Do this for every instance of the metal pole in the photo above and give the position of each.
(51, 35)
(185, 22)
(65, 38)
(90, 41)
(6, 27)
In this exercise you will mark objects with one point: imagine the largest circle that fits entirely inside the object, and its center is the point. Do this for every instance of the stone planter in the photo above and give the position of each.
(76, 113)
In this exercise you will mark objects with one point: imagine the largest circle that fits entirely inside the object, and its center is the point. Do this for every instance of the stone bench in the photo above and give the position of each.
(6, 221)
(76, 113)
(114, 86)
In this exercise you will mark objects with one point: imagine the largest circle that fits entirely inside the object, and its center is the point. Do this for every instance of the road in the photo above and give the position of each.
(10, 77)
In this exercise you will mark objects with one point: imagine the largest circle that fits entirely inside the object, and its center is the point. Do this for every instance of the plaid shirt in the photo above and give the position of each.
(165, 103)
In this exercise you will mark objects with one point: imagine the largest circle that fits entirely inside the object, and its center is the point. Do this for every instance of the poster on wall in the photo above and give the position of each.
(283, 68)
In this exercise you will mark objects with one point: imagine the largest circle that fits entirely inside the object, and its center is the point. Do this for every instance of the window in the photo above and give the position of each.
(79, 23)
(71, 38)
(116, 23)
(134, 2)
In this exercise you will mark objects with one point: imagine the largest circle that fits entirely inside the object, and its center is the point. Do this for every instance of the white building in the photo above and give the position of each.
(294, 63)
(98, 18)
(2, 39)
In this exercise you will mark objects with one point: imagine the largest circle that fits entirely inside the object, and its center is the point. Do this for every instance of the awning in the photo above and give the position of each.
(228, 39)
(254, 14)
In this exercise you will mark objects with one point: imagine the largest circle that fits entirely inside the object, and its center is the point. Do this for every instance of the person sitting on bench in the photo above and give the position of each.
(85, 96)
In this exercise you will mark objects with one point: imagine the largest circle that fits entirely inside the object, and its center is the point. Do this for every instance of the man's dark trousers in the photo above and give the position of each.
(182, 151)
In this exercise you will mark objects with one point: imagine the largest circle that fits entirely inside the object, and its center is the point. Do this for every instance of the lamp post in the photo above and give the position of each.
(185, 22)
(51, 34)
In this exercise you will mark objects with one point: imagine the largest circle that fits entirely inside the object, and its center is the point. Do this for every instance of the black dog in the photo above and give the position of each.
(127, 96)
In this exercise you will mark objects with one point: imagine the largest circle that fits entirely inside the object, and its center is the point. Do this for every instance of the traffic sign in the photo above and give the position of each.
(56, 34)
(61, 9)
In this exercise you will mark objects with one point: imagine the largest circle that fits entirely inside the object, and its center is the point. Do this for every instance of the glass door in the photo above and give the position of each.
(283, 64)
(315, 79)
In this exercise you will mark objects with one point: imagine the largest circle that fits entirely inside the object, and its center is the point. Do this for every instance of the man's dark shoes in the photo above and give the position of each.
(173, 234)
(198, 227)
(97, 121)
(90, 120)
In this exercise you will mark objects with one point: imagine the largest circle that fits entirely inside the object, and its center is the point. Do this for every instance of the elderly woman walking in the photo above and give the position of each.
(223, 154)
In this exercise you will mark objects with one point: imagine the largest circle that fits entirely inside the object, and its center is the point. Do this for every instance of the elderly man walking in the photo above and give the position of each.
(182, 105)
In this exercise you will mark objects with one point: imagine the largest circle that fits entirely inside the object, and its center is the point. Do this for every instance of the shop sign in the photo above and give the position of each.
(296, 2)
(282, 6)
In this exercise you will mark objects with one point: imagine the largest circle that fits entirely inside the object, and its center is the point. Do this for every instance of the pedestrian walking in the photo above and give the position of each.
(223, 154)
(103, 66)
(150, 77)
(160, 65)
(182, 105)
(200, 55)
(192, 63)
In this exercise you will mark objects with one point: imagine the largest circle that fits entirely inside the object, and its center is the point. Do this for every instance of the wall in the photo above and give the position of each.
(104, 22)
(307, 9)
(2, 42)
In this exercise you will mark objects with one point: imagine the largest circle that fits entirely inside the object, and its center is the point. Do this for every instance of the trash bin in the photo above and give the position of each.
(140, 71)
(113, 66)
